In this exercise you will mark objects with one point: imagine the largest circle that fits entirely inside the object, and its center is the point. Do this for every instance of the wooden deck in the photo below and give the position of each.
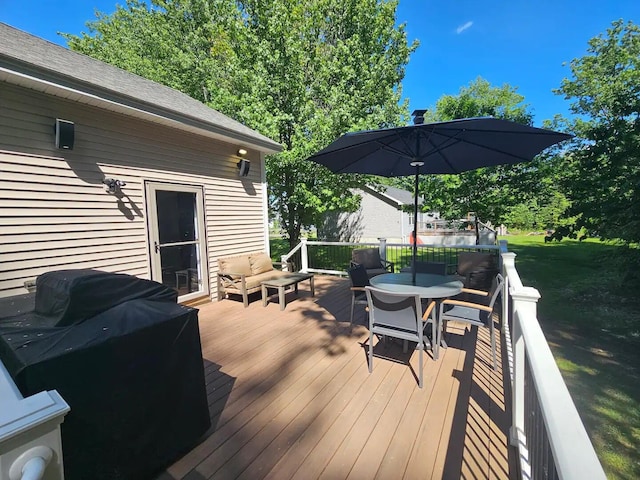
(290, 396)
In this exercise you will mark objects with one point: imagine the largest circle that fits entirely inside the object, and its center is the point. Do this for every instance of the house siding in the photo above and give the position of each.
(55, 213)
(387, 217)
(377, 217)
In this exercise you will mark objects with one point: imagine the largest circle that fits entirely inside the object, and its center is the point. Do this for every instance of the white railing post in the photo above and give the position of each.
(383, 248)
(30, 442)
(284, 259)
(525, 301)
(304, 253)
(508, 262)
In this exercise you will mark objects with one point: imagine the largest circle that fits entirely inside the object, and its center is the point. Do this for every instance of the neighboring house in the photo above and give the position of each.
(173, 202)
(387, 214)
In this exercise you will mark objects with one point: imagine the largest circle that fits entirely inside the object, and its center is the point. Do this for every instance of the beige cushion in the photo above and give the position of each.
(260, 263)
(255, 280)
(238, 265)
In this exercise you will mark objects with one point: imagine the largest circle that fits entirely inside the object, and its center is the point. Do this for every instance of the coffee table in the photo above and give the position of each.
(283, 282)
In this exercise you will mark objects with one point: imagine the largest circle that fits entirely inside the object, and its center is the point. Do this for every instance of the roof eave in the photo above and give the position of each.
(394, 200)
(64, 87)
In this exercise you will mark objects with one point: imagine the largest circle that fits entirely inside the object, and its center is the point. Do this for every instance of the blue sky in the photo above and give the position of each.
(520, 42)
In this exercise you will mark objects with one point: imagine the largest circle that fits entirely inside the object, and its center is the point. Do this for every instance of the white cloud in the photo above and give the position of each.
(464, 27)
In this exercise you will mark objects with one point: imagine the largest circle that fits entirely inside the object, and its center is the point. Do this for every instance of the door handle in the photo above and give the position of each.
(156, 247)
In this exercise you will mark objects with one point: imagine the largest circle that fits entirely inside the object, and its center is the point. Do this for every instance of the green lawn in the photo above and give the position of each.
(592, 322)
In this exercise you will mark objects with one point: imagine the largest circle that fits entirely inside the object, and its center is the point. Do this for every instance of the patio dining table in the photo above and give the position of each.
(427, 285)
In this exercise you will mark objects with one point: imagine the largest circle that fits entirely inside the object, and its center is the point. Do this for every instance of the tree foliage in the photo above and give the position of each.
(490, 192)
(602, 174)
(481, 99)
(301, 72)
(176, 43)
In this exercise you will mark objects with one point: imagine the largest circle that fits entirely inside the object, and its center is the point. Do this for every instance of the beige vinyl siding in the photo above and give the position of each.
(55, 213)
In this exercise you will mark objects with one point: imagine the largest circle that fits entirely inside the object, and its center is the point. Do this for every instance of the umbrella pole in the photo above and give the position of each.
(415, 227)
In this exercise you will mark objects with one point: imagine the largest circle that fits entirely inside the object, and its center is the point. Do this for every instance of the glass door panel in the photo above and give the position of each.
(176, 227)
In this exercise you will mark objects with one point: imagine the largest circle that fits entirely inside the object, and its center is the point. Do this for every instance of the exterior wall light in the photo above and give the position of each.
(112, 185)
(65, 133)
(244, 164)
(243, 167)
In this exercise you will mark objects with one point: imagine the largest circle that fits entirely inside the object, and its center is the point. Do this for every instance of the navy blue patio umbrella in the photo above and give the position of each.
(436, 148)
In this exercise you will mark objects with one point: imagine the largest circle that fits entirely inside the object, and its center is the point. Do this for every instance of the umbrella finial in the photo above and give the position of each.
(418, 116)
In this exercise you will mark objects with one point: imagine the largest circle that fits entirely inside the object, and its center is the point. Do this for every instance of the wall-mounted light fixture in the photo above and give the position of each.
(243, 167)
(65, 132)
(112, 185)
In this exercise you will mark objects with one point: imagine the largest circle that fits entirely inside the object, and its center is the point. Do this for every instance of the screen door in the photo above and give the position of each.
(176, 238)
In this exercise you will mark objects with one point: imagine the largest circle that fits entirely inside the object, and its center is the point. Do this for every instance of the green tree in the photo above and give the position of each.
(301, 72)
(188, 45)
(481, 99)
(329, 67)
(522, 216)
(603, 169)
(490, 192)
(533, 216)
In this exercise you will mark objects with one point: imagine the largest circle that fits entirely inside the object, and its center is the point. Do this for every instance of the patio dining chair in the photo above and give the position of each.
(371, 260)
(398, 315)
(435, 268)
(359, 280)
(473, 313)
(477, 269)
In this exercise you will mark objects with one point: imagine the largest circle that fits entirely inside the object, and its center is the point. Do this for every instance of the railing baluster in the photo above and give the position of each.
(334, 257)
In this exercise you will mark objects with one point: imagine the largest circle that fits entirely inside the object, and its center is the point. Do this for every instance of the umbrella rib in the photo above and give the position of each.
(446, 160)
(388, 148)
(439, 149)
(452, 141)
(399, 153)
(349, 147)
(380, 142)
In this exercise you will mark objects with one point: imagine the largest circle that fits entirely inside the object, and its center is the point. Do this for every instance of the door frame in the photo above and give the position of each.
(155, 267)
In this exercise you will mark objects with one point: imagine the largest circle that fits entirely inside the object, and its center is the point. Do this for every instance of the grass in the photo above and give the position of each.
(591, 319)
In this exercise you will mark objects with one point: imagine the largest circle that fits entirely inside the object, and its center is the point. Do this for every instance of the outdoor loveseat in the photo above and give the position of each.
(125, 357)
(243, 274)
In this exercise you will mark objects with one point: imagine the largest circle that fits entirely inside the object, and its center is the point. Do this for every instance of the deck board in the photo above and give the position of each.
(290, 396)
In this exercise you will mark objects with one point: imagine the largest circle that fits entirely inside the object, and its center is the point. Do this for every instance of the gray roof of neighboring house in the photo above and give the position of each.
(39, 64)
(398, 196)
(402, 196)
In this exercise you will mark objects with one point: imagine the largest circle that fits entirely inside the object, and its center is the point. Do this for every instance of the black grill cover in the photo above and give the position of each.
(133, 376)
(71, 296)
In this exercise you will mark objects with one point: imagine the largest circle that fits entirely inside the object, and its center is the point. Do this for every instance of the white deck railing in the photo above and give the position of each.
(30, 445)
(336, 251)
(546, 430)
